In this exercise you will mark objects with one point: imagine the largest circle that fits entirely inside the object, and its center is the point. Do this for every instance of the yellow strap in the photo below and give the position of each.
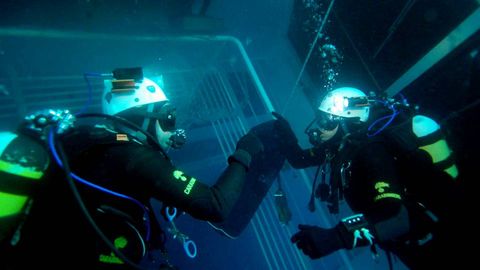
(19, 170)
(11, 204)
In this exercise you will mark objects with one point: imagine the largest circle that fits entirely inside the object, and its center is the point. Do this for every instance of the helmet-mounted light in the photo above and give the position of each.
(356, 102)
(341, 104)
(346, 102)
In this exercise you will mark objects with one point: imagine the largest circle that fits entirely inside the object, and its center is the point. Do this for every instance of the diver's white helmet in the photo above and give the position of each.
(129, 94)
(346, 102)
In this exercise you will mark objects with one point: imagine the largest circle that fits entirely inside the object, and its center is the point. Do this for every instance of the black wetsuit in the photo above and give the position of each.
(56, 233)
(132, 167)
(414, 210)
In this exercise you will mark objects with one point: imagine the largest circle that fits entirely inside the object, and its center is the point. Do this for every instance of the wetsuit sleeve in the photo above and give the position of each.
(379, 194)
(176, 188)
(300, 158)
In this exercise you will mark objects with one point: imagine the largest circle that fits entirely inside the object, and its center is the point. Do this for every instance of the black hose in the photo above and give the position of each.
(311, 203)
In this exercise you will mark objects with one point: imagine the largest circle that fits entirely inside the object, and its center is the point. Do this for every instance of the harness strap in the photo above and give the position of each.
(18, 184)
(430, 138)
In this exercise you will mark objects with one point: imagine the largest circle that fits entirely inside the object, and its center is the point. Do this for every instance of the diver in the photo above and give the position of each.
(397, 174)
(118, 161)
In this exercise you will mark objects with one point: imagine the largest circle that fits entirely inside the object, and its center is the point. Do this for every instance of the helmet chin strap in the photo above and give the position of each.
(343, 141)
(344, 127)
(146, 123)
(146, 120)
(176, 138)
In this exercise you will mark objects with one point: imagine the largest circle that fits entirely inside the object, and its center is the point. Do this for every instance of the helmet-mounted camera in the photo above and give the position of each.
(125, 79)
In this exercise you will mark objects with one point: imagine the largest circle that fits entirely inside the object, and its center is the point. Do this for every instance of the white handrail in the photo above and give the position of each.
(464, 30)
(50, 33)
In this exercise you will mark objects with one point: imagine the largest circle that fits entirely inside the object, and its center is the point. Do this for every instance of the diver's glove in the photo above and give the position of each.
(248, 146)
(318, 242)
(284, 130)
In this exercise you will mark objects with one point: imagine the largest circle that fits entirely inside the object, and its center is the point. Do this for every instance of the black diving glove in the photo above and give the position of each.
(284, 130)
(318, 242)
(248, 147)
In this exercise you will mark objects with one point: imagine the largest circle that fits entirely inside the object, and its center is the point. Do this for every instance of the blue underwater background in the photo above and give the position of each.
(226, 65)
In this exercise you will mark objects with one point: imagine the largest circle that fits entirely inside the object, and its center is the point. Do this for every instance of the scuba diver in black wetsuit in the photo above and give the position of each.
(117, 169)
(395, 171)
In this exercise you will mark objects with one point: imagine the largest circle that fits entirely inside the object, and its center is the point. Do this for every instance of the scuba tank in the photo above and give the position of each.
(413, 132)
(431, 140)
(23, 162)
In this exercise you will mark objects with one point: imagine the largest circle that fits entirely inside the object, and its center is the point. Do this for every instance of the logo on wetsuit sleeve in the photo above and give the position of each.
(180, 176)
(381, 187)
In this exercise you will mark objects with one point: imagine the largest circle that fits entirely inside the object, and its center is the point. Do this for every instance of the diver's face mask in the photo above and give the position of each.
(326, 127)
(165, 115)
